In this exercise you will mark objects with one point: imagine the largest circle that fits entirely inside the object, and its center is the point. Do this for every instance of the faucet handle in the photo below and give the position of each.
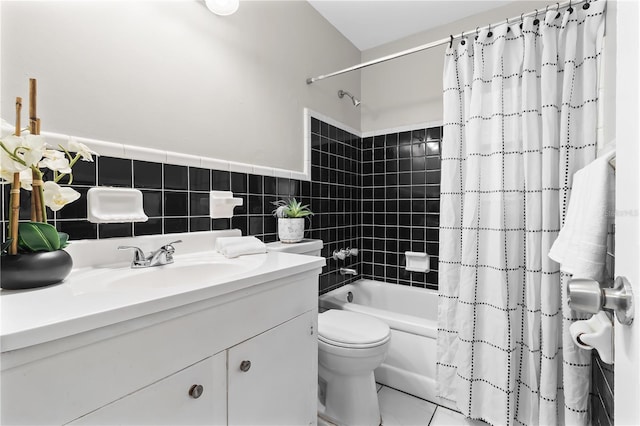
(339, 254)
(169, 246)
(138, 255)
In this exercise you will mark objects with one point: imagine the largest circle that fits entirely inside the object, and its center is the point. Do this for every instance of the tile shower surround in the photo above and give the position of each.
(401, 204)
(344, 168)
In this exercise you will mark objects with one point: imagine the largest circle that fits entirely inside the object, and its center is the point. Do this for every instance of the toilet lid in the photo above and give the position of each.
(351, 329)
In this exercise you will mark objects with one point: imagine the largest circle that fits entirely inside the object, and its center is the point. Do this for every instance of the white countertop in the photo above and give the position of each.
(95, 296)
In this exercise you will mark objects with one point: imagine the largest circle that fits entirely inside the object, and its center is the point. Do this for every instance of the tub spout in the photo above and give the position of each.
(348, 271)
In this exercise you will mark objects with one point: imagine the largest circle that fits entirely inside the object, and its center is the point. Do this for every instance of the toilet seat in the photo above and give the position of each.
(351, 330)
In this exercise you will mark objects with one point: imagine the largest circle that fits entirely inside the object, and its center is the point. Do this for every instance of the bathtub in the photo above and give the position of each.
(411, 313)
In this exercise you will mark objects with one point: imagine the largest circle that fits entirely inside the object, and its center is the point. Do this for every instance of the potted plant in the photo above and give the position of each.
(291, 215)
(32, 254)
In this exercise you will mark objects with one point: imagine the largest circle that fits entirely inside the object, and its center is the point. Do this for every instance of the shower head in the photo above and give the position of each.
(356, 101)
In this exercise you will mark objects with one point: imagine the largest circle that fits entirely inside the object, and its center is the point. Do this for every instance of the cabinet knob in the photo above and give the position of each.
(196, 391)
(245, 366)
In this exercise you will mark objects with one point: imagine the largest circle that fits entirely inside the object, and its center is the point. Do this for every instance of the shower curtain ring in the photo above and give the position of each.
(451, 41)
(462, 42)
(489, 34)
(477, 32)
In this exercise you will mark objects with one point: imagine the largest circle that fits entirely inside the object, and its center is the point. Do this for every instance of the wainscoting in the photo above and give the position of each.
(379, 194)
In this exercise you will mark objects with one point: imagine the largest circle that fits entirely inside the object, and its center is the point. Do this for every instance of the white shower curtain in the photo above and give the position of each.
(520, 109)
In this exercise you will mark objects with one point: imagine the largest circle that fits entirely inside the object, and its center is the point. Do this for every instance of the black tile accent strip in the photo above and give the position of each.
(380, 194)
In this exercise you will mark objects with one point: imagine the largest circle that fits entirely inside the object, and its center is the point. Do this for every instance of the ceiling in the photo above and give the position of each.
(370, 23)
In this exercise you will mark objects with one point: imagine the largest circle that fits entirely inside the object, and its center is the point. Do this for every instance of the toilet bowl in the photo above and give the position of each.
(350, 346)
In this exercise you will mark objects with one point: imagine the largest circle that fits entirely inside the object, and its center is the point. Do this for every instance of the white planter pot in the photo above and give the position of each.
(291, 230)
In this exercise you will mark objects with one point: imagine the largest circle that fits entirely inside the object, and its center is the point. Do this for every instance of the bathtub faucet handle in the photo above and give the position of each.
(340, 254)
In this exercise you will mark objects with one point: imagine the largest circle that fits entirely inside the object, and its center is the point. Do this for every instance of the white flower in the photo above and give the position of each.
(56, 197)
(26, 177)
(34, 148)
(6, 128)
(82, 149)
(55, 160)
(12, 144)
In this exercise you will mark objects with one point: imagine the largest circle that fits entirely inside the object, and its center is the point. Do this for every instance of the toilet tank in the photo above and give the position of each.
(308, 247)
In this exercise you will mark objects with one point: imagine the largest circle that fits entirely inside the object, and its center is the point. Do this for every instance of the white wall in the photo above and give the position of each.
(408, 90)
(173, 76)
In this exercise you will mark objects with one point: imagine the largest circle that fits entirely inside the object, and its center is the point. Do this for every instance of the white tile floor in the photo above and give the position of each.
(401, 409)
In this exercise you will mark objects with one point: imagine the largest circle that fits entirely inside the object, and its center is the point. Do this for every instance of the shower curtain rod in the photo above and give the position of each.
(449, 39)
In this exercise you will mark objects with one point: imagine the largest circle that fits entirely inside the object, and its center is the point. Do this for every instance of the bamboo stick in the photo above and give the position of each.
(15, 213)
(36, 199)
(37, 207)
(18, 112)
(15, 192)
(33, 117)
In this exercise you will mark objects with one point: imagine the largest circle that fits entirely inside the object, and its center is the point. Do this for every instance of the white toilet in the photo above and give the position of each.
(350, 347)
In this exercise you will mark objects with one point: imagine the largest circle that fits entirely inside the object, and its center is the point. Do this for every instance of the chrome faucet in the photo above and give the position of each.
(342, 254)
(348, 271)
(162, 256)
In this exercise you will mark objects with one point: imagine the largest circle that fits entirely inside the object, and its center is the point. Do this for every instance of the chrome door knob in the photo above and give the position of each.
(585, 295)
(245, 366)
(196, 391)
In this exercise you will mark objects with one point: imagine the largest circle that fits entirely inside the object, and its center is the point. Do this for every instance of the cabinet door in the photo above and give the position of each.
(273, 376)
(171, 401)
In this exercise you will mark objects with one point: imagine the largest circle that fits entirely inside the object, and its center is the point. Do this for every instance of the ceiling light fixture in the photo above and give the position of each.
(222, 7)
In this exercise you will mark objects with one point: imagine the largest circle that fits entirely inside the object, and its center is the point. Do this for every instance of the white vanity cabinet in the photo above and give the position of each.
(269, 376)
(142, 370)
(193, 396)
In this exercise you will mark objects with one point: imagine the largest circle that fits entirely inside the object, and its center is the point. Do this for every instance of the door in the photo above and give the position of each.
(627, 338)
(273, 376)
(193, 396)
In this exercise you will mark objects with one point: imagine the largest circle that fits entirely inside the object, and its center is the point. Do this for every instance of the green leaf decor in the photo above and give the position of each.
(38, 236)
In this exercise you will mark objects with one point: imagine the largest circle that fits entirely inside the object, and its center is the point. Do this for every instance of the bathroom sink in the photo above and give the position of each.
(176, 274)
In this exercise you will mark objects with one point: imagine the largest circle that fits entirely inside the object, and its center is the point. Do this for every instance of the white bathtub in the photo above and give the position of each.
(411, 314)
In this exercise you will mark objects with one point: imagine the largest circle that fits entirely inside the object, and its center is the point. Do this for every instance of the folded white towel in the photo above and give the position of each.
(238, 246)
(581, 246)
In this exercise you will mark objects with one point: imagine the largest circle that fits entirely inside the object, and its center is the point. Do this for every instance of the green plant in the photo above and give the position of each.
(291, 208)
(23, 156)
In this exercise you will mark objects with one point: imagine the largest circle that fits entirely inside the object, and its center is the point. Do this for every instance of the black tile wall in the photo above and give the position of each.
(378, 194)
(400, 204)
(335, 193)
(601, 392)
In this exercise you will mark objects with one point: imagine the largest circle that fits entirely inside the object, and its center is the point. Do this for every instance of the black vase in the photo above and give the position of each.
(32, 270)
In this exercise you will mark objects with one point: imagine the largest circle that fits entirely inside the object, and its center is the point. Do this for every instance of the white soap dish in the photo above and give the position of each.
(222, 203)
(115, 205)
(417, 262)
